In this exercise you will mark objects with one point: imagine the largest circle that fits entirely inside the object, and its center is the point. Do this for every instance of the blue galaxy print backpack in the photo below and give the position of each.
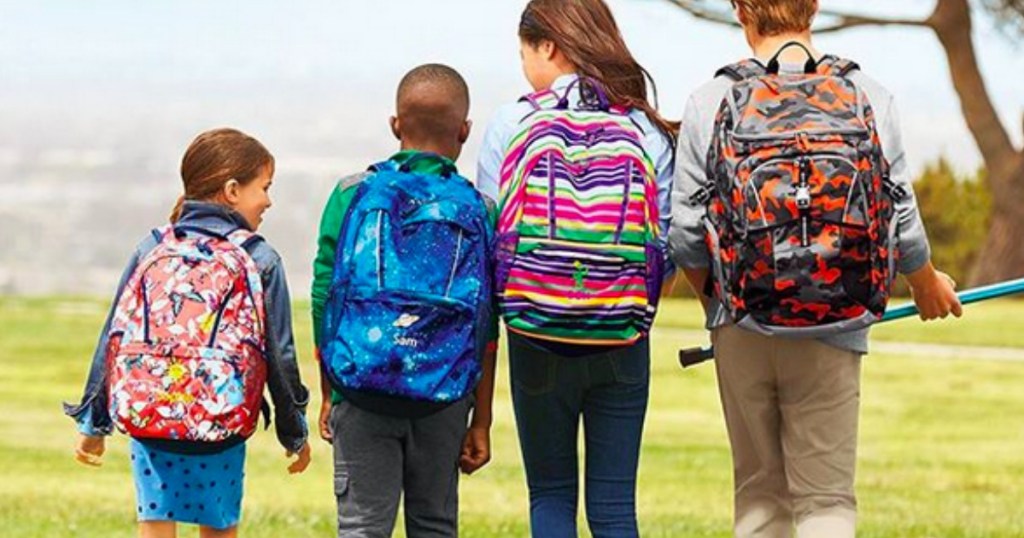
(411, 297)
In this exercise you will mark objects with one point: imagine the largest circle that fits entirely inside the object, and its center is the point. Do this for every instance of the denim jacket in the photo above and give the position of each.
(289, 395)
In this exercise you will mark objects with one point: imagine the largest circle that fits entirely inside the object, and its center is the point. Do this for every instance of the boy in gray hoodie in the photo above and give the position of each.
(791, 403)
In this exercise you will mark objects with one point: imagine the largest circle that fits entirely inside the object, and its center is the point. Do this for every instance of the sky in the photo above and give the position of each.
(158, 53)
(99, 99)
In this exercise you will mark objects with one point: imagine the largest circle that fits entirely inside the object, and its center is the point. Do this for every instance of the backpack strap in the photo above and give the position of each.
(244, 239)
(542, 99)
(742, 70)
(835, 66)
(383, 166)
(159, 234)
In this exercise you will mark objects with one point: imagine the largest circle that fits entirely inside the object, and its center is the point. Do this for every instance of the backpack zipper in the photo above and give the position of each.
(455, 264)
(765, 137)
(220, 312)
(625, 202)
(380, 260)
(803, 199)
(551, 197)
(145, 310)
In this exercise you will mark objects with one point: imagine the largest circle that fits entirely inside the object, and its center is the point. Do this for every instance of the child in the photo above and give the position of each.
(796, 285)
(585, 170)
(403, 321)
(201, 320)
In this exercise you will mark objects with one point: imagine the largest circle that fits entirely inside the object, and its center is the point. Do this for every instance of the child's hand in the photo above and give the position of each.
(90, 450)
(325, 421)
(302, 462)
(476, 449)
(934, 293)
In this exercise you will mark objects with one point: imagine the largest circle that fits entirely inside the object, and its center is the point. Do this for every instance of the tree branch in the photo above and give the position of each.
(699, 9)
(952, 24)
(848, 20)
(694, 7)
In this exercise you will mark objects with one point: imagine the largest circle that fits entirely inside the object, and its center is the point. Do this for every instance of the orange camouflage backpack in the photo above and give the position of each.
(800, 209)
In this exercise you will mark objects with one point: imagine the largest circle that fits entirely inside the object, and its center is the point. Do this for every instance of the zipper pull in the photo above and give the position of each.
(803, 199)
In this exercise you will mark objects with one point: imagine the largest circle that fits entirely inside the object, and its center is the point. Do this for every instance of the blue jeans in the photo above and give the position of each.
(550, 392)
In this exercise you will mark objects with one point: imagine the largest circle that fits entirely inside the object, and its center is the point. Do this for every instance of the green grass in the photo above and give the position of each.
(940, 452)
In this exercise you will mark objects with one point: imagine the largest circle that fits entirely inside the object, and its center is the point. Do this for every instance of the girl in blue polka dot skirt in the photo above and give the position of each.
(200, 325)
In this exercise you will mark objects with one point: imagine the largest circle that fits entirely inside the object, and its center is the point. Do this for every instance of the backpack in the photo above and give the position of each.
(800, 208)
(186, 361)
(409, 306)
(579, 260)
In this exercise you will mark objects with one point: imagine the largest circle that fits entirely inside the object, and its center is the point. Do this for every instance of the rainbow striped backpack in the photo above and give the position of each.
(579, 260)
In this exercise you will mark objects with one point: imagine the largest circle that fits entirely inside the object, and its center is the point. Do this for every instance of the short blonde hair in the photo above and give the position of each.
(774, 17)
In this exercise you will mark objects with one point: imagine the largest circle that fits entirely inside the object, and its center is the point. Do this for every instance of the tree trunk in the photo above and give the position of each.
(1002, 256)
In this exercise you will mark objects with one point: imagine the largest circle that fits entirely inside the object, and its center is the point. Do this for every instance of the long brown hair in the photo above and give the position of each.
(586, 32)
(216, 157)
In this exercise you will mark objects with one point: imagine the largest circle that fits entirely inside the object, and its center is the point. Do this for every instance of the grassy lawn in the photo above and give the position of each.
(940, 454)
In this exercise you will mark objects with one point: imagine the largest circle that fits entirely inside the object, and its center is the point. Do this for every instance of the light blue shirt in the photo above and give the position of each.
(506, 123)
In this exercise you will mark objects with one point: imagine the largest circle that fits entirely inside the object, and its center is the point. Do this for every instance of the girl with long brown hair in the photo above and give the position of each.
(572, 52)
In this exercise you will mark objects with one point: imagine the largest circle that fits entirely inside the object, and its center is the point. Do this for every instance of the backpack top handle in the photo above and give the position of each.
(592, 95)
(810, 66)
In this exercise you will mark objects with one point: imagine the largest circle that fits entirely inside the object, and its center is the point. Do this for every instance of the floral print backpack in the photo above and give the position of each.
(186, 360)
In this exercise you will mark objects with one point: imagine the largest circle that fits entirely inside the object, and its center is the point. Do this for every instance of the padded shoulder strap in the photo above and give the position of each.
(244, 239)
(383, 166)
(160, 233)
(742, 70)
(541, 99)
(836, 66)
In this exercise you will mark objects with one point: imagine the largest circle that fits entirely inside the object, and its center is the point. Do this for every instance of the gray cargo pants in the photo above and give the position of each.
(377, 458)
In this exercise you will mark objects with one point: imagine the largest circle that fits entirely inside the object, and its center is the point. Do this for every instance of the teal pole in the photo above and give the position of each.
(693, 356)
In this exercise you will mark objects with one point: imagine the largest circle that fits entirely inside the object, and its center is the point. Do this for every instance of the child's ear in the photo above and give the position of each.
(230, 191)
(467, 126)
(396, 127)
(548, 49)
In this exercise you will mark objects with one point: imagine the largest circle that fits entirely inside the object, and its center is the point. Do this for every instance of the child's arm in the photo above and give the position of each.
(326, 248)
(326, 402)
(289, 395)
(323, 271)
(934, 293)
(686, 230)
(91, 415)
(476, 447)
(933, 290)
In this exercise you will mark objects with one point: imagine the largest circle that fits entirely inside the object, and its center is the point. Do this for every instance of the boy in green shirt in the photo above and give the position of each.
(378, 457)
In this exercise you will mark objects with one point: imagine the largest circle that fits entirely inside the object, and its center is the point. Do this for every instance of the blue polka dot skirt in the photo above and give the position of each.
(202, 489)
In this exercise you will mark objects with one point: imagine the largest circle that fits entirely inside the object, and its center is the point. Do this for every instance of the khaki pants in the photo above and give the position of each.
(791, 411)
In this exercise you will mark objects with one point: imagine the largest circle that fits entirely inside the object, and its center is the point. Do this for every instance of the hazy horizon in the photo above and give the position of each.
(100, 99)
